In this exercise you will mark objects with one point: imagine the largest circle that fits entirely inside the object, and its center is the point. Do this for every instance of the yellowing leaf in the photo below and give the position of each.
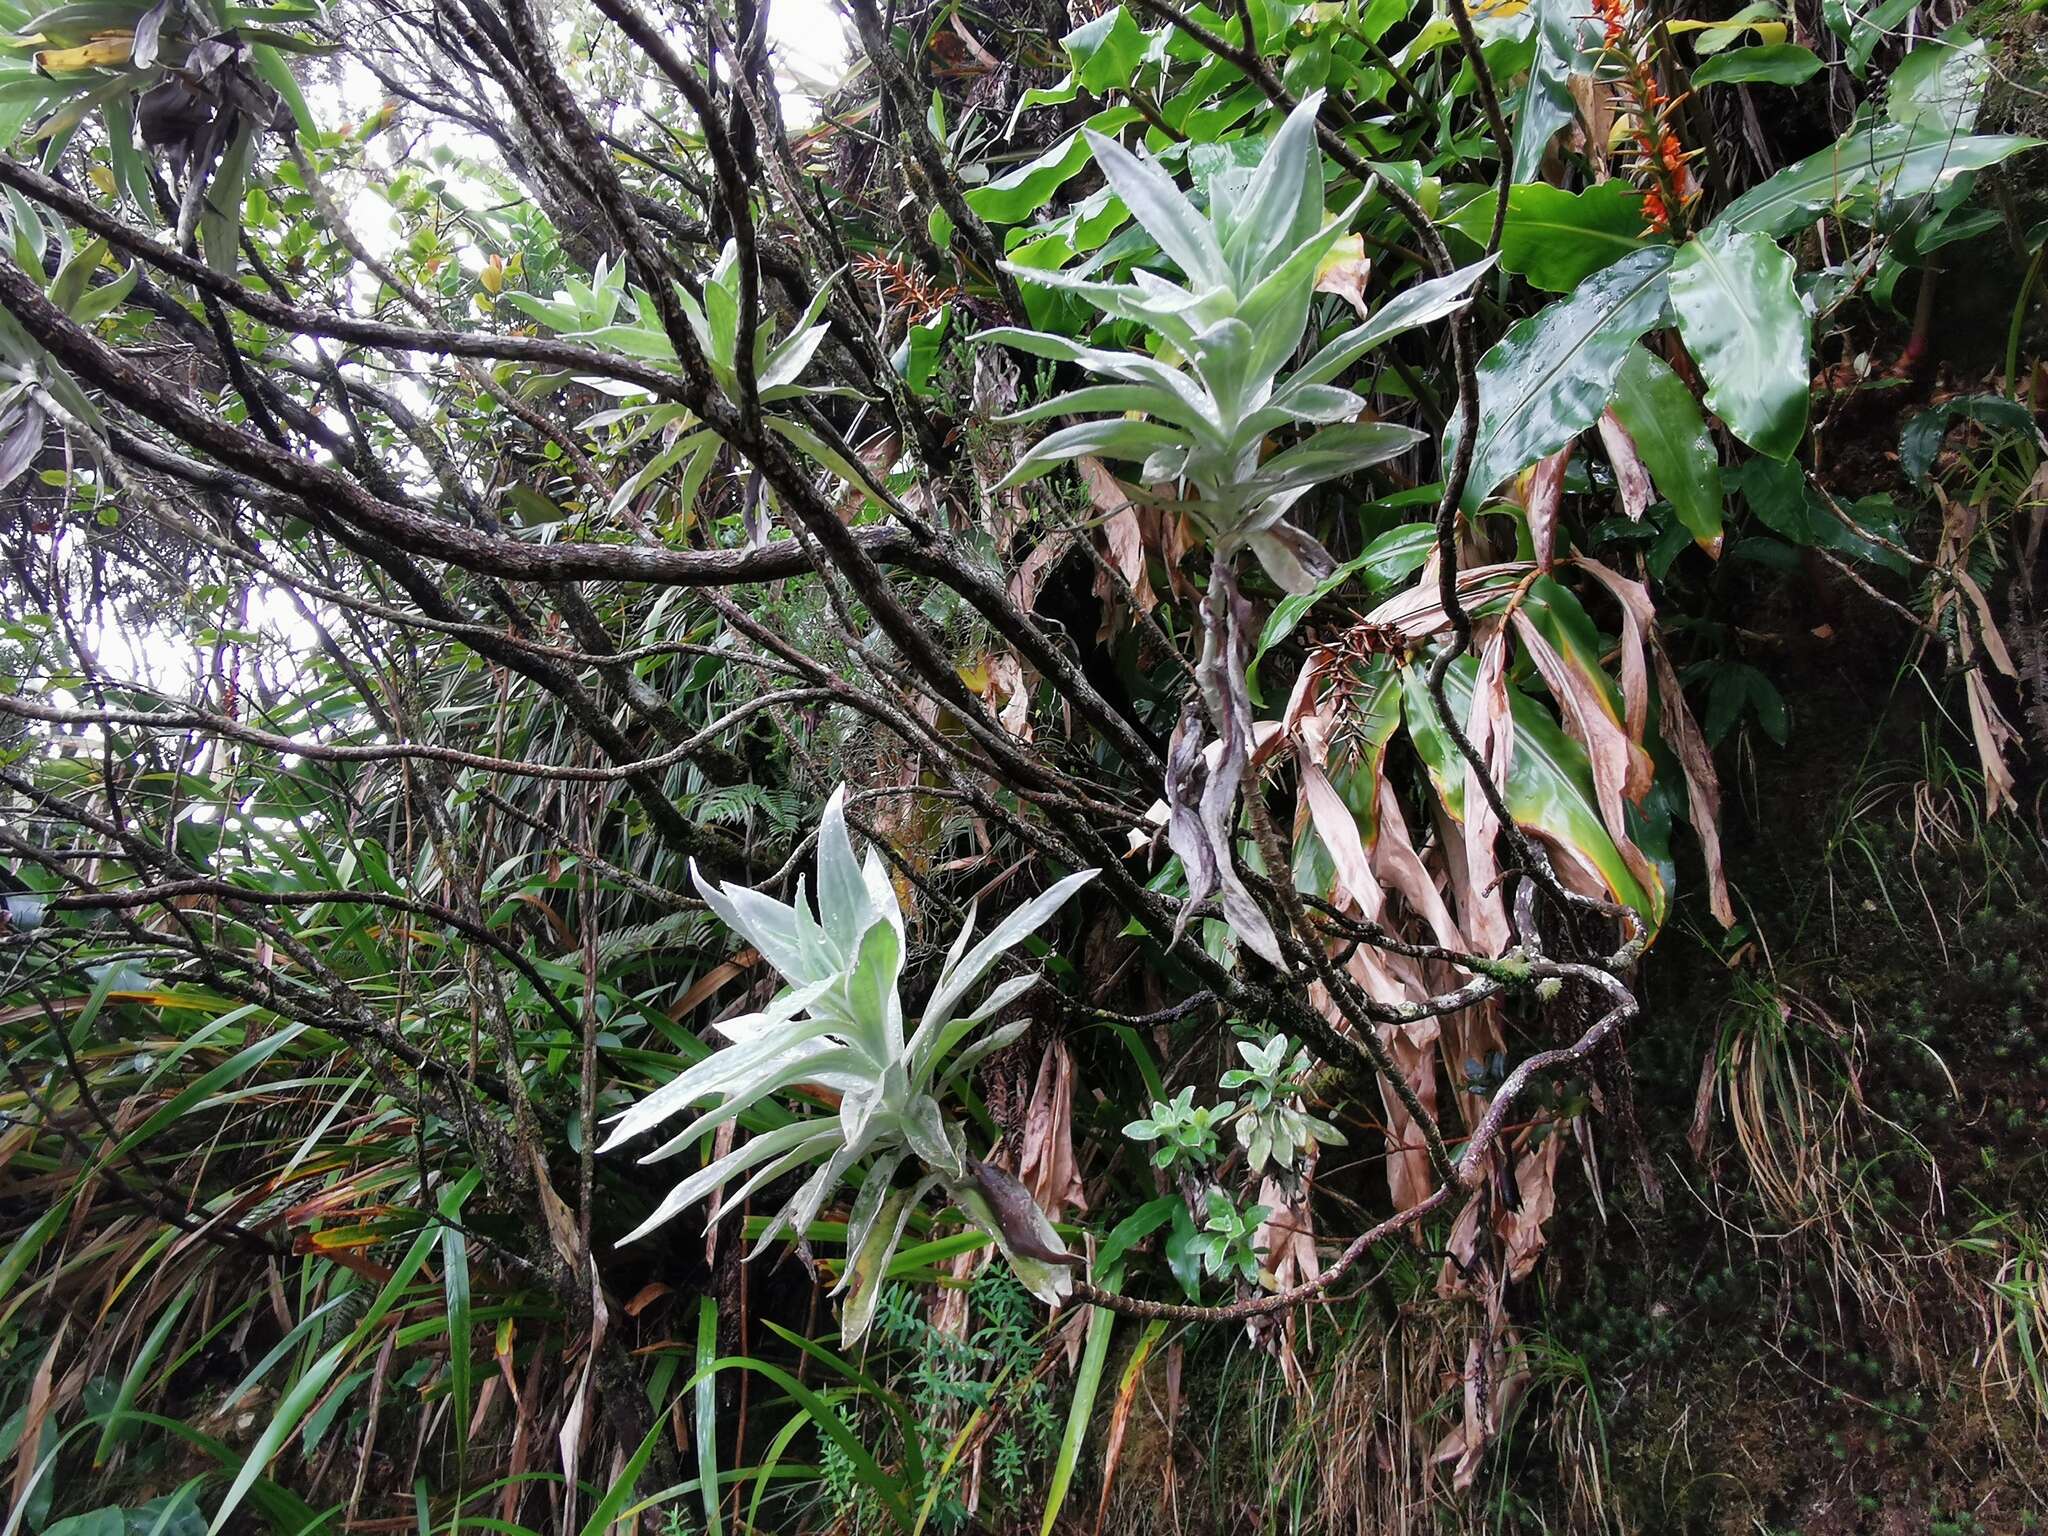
(1766, 31)
(105, 51)
(1344, 272)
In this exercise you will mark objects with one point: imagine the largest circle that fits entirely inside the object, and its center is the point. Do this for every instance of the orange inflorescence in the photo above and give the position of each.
(1661, 161)
(904, 287)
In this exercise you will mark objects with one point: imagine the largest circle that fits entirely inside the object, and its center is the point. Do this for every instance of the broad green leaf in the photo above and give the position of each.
(1555, 238)
(1743, 323)
(918, 358)
(1939, 86)
(1549, 378)
(1016, 197)
(1759, 16)
(1853, 174)
(1864, 25)
(1671, 437)
(99, 1522)
(1105, 53)
(1546, 102)
(1783, 502)
(1766, 64)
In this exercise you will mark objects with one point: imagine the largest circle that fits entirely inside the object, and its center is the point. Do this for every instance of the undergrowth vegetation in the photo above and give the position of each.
(987, 768)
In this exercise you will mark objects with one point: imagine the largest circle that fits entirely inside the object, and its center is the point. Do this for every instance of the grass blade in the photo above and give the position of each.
(706, 1414)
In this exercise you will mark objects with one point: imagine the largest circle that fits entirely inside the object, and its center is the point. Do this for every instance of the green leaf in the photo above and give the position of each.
(293, 1407)
(1397, 553)
(1782, 501)
(1551, 788)
(455, 1288)
(1105, 53)
(1743, 323)
(1863, 26)
(1331, 454)
(1086, 1381)
(917, 359)
(704, 1412)
(1184, 236)
(1546, 102)
(1549, 378)
(1855, 173)
(1557, 239)
(1671, 437)
(1016, 197)
(1920, 440)
(68, 288)
(98, 1522)
(608, 1510)
(138, 1372)
(530, 509)
(1939, 86)
(220, 219)
(1767, 64)
(1113, 437)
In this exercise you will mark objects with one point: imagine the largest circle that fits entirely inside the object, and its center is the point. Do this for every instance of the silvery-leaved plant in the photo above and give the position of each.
(1248, 268)
(1184, 1130)
(1249, 273)
(839, 1025)
(1271, 1125)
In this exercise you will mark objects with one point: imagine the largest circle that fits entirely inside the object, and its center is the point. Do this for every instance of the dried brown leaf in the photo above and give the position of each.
(1123, 537)
(1702, 1126)
(1638, 623)
(1490, 727)
(1046, 1164)
(647, 1296)
(1702, 784)
(1335, 825)
(1632, 476)
(1542, 492)
(1993, 733)
(1037, 567)
(41, 1394)
(1521, 1230)
(1120, 1423)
